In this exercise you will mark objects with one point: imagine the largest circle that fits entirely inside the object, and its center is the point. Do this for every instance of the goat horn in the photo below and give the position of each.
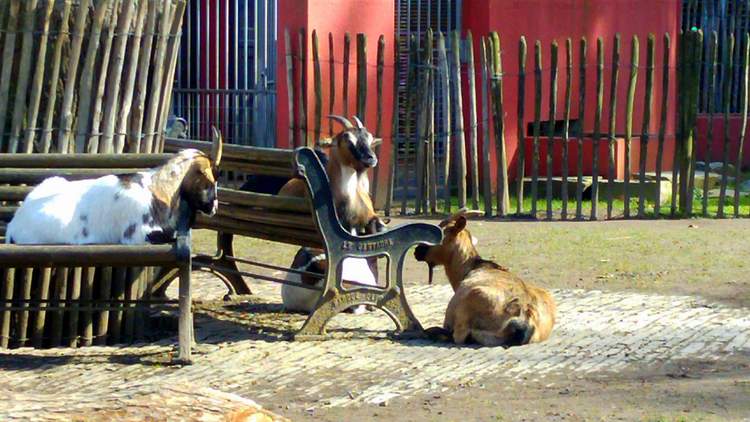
(341, 119)
(217, 146)
(359, 122)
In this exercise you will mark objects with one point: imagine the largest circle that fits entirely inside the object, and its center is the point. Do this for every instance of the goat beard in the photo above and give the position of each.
(430, 272)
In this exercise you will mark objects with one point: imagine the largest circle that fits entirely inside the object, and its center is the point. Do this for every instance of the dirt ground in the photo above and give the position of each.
(702, 258)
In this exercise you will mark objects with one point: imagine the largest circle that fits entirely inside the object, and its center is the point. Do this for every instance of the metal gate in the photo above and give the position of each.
(415, 17)
(227, 70)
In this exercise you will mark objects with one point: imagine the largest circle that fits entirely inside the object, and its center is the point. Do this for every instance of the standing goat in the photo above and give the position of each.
(351, 156)
(130, 208)
(491, 305)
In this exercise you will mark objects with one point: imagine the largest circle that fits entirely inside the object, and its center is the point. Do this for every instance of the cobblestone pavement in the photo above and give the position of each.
(243, 351)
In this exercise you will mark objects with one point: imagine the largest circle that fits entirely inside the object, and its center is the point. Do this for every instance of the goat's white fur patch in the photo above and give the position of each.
(60, 211)
(303, 300)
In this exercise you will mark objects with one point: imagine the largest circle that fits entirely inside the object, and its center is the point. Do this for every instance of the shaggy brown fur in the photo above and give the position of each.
(491, 306)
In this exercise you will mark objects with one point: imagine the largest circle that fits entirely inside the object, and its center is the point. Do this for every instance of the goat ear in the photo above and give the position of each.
(217, 147)
(460, 223)
(376, 142)
(341, 119)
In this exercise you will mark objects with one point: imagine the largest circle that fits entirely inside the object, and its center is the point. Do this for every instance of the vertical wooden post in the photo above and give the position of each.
(156, 77)
(726, 83)
(412, 80)
(41, 316)
(613, 123)
(21, 81)
(94, 136)
(473, 148)
(37, 84)
(345, 88)
(521, 130)
(458, 118)
(9, 279)
(362, 77)
(634, 55)
(9, 47)
(74, 296)
(395, 137)
(54, 78)
(136, 137)
(317, 88)
(331, 81)
(186, 312)
(23, 316)
(87, 295)
(551, 124)
(378, 114)
(582, 120)
(128, 91)
(115, 77)
(486, 181)
(422, 124)
(499, 119)
(663, 121)
(60, 294)
(118, 293)
(710, 94)
(597, 127)
(289, 85)
(743, 131)
(696, 55)
(445, 114)
(105, 293)
(646, 123)
(302, 121)
(431, 175)
(537, 125)
(566, 126)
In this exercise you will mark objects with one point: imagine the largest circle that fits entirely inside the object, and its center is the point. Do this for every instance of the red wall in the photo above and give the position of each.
(372, 17)
(548, 20)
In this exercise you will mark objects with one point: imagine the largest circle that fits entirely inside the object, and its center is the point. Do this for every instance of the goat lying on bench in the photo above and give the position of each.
(134, 208)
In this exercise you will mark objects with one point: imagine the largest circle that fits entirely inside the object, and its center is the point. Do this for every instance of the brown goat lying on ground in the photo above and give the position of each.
(491, 306)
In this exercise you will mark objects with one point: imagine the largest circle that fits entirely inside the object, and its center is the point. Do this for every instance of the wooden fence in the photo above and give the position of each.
(86, 75)
(453, 147)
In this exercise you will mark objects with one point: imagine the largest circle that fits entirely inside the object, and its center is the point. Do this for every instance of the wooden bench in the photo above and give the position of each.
(48, 289)
(310, 221)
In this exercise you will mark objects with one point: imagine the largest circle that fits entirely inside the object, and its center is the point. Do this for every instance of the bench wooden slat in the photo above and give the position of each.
(274, 202)
(265, 216)
(37, 175)
(268, 156)
(255, 168)
(100, 161)
(14, 193)
(262, 231)
(85, 255)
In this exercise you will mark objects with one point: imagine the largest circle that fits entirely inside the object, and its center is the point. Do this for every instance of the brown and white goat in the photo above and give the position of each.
(351, 155)
(129, 208)
(490, 305)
